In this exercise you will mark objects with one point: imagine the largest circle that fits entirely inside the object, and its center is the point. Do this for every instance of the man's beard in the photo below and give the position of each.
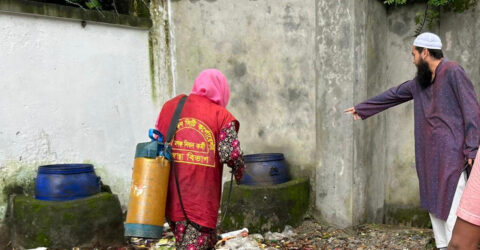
(424, 75)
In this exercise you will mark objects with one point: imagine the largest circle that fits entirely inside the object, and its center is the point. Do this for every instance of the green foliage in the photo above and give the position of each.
(91, 4)
(395, 2)
(431, 15)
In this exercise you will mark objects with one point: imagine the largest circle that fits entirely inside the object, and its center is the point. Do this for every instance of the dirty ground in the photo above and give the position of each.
(312, 235)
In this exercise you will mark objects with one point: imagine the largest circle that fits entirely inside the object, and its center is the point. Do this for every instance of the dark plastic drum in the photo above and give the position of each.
(265, 169)
(61, 182)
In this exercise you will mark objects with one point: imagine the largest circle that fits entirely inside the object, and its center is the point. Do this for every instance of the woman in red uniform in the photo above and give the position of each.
(206, 138)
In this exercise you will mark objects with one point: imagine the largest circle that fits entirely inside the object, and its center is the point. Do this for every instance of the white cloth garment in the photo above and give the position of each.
(442, 230)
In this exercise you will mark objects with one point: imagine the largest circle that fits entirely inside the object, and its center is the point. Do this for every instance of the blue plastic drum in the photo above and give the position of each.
(61, 182)
(265, 169)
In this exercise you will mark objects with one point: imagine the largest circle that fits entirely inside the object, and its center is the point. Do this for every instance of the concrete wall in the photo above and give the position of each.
(460, 38)
(375, 127)
(401, 189)
(293, 67)
(340, 80)
(380, 184)
(265, 49)
(72, 94)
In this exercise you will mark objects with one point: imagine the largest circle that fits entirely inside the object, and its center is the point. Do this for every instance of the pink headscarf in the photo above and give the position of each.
(212, 84)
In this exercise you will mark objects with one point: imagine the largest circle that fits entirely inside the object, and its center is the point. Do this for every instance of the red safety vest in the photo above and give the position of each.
(196, 157)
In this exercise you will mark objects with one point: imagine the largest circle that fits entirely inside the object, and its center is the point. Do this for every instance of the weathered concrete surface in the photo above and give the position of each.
(137, 19)
(160, 53)
(71, 94)
(342, 61)
(373, 141)
(90, 222)
(265, 49)
(4, 235)
(293, 66)
(360, 171)
(265, 208)
(460, 35)
(268, 52)
(388, 159)
(334, 41)
(401, 189)
(410, 215)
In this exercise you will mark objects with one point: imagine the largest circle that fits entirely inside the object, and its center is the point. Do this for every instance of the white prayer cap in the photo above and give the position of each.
(428, 40)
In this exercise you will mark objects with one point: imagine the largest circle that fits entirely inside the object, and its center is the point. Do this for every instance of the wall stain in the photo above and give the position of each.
(240, 69)
(399, 28)
(261, 132)
(289, 23)
(239, 48)
(294, 94)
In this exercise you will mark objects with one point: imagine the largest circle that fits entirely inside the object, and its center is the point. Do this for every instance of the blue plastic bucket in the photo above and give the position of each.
(265, 169)
(61, 182)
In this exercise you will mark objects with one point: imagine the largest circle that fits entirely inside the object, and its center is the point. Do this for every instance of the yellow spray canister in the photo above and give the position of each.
(148, 192)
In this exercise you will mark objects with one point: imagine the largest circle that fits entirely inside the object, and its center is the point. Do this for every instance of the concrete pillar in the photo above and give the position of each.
(374, 141)
(160, 53)
(341, 81)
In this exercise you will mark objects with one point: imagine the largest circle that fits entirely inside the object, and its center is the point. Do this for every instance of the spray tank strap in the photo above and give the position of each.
(176, 116)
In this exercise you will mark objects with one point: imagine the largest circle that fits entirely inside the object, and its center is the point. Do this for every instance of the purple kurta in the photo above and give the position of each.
(447, 120)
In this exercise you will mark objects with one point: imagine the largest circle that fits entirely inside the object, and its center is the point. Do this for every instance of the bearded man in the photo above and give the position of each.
(447, 119)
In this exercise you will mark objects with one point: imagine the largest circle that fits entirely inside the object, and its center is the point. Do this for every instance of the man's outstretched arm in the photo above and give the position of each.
(387, 99)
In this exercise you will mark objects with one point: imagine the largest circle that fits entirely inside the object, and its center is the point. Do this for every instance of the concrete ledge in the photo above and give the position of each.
(266, 208)
(67, 12)
(407, 216)
(90, 222)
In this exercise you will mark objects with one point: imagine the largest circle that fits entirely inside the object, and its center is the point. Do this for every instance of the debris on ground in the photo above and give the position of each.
(239, 243)
(233, 234)
(310, 235)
